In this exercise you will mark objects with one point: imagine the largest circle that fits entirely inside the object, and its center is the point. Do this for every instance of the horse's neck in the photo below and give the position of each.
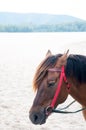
(78, 91)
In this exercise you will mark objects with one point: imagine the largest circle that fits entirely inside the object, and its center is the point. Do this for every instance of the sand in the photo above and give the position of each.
(17, 66)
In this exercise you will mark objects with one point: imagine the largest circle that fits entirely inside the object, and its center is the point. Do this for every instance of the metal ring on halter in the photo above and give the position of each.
(48, 110)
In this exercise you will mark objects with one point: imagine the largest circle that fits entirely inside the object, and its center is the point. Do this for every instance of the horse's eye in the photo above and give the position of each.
(51, 83)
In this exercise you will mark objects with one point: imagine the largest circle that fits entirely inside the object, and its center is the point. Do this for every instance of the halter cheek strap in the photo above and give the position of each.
(62, 77)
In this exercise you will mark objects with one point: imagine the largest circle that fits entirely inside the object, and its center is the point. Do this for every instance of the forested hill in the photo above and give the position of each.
(34, 22)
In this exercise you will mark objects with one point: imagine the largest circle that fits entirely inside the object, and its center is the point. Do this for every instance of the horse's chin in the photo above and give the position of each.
(47, 114)
(43, 121)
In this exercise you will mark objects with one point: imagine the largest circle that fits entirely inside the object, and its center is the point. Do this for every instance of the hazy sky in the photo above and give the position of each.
(75, 8)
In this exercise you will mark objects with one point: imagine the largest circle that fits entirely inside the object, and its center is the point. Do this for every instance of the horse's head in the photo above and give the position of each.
(45, 83)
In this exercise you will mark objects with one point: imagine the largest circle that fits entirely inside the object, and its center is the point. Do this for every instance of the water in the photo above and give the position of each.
(20, 53)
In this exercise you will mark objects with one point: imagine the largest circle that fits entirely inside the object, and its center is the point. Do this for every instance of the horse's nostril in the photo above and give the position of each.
(35, 118)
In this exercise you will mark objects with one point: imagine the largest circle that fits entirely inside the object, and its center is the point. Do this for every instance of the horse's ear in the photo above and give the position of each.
(48, 53)
(62, 60)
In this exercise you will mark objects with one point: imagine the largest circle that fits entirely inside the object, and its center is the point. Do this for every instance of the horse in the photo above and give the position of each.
(56, 77)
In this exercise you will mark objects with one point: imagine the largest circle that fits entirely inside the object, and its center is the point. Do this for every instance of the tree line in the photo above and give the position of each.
(64, 27)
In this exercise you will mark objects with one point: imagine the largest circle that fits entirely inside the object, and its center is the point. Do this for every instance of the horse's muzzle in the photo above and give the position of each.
(37, 117)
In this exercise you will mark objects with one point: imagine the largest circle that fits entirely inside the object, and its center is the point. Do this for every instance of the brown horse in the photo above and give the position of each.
(55, 78)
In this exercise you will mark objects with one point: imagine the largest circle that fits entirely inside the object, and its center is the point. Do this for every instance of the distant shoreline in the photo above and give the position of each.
(36, 22)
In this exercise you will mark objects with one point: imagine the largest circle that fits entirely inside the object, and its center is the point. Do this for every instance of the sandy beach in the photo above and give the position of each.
(19, 56)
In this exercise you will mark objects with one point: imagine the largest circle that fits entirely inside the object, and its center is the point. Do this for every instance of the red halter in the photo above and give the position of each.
(50, 108)
(62, 77)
